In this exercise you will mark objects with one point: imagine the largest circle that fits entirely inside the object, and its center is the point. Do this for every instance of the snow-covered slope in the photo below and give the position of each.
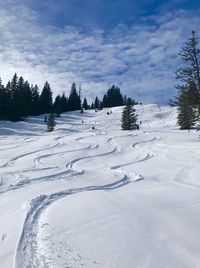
(103, 197)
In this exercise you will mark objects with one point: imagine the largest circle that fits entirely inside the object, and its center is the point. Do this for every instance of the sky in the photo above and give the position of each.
(97, 43)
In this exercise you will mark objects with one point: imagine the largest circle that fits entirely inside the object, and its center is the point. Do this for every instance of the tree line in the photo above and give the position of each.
(19, 99)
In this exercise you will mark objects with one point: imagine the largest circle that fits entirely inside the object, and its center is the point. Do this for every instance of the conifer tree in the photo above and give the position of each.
(46, 101)
(15, 113)
(186, 112)
(188, 99)
(92, 106)
(35, 100)
(85, 104)
(100, 105)
(64, 103)
(57, 106)
(74, 102)
(105, 101)
(8, 103)
(51, 122)
(96, 103)
(3, 102)
(25, 97)
(113, 97)
(129, 118)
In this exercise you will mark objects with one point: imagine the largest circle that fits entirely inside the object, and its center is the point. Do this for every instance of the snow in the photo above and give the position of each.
(102, 197)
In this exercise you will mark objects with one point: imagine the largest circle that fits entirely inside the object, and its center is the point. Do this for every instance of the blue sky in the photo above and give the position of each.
(133, 44)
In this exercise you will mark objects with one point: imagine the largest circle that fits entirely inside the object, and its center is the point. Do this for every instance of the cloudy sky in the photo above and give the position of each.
(133, 44)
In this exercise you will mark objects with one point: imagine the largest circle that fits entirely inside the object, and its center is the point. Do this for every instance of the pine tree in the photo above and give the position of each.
(188, 99)
(35, 100)
(101, 105)
(25, 97)
(85, 104)
(64, 103)
(105, 101)
(74, 102)
(186, 112)
(113, 97)
(8, 100)
(96, 103)
(15, 105)
(129, 118)
(57, 106)
(51, 122)
(3, 102)
(46, 102)
(92, 106)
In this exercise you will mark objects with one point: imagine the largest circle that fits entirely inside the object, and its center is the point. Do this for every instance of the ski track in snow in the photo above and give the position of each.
(152, 143)
(38, 160)
(26, 256)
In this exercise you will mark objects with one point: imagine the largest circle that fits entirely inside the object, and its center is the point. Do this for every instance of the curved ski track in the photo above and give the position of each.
(26, 254)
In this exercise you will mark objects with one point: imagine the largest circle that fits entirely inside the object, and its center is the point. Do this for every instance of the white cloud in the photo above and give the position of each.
(141, 59)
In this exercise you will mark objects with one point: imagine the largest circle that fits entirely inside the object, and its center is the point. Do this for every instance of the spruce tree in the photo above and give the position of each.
(51, 122)
(25, 97)
(96, 103)
(85, 104)
(3, 102)
(74, 101)
(188, 99)
(63, 103)
(15, 105)
(129, 118)
(57, 106)
(35, 100)
(186, 112)
(46, 101)
(92, 106)
(113, 97)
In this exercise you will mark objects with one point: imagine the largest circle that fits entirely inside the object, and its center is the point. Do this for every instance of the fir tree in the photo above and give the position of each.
(64, 103)
(51, 122)
(85, 104)
(96, 103)
(35, 100)
(113, 97)
(188, 99)
(92, 106)
(46, 101)
(105, 101)
(74, 102)
(4, 99)
(101, 105)
(8, 103)
(129, 118)
(15, 113)
(57, 106)
(186, 112)
(25, 98)
(19, 91)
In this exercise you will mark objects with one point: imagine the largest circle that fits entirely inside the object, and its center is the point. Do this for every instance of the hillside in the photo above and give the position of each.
(102, 197)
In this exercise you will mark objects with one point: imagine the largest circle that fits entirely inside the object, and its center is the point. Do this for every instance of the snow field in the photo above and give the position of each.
(79, 197)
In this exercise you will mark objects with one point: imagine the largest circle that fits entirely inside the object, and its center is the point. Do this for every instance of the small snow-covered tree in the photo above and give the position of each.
(129, 117)
(51, 122)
